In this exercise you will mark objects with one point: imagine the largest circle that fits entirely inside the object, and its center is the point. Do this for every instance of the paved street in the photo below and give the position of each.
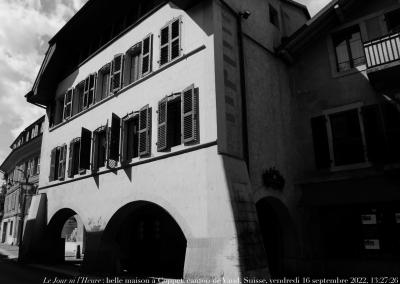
(13, 273)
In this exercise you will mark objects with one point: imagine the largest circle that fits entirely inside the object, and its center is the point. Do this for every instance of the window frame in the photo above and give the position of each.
(68, 103)
(171, 40)
(346, 30)
(355, 106)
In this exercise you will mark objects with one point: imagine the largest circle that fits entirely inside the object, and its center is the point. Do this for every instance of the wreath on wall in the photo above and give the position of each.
(273, 178)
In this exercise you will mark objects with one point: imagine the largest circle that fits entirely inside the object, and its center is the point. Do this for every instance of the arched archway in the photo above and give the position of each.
(64, 237)
(146, 241)
(279, 236)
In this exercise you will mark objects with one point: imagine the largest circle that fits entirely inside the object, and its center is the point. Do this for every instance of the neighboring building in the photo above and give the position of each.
(165, 121)
(345, 65)
(22, 162)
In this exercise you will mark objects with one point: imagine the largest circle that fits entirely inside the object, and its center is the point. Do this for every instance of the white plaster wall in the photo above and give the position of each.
(181, 184)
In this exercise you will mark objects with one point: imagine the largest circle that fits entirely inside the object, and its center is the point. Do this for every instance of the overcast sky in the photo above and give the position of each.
(25, 29)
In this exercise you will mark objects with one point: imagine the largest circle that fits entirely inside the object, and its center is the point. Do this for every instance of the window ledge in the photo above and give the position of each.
(338, 74)
(351, 167)
(131, 85)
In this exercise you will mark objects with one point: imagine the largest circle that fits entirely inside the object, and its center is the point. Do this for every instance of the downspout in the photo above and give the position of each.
(245, 133)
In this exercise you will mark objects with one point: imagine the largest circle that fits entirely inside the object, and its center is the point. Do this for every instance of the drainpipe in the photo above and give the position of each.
(245, 133)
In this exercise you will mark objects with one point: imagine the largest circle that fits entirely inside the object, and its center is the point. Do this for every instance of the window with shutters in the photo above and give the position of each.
(103, 89)
(130, 141)
(113, 142)
(132, 64)
(136, 135)
(73, 159)
(178, 119)
(349, 49)
(339, 138)
(89, 91)
(138, 60)
(68, 98)
(99, 148)
(116, 73)
(84, 150)
(62, 162)
(79, 99)
(170, 41)
(55, 163)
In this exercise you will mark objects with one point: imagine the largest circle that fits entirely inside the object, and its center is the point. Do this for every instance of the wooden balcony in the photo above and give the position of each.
(383, 62)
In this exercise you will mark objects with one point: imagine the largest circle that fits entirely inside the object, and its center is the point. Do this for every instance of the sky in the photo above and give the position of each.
(25, 29)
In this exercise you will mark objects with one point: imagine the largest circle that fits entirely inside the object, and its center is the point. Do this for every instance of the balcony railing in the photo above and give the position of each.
(382, 50)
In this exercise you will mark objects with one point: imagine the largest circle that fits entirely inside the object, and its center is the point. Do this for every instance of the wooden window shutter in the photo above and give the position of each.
(86, 93)
(71, 159)
(52, 164)
(62, 162)
(113, 142)
(144, 131)
(127, 69)
(321, 143)
(175, 39)
(95, 152)
(124, 141)
(116, 73)
(189, 116)
(92, 88)
(162, 144)
(164, 46)
(146, 58)
(374, 134)
(84, 150)
(68, 97)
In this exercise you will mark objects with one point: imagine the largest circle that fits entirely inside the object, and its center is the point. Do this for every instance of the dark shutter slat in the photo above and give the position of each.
(321, 143)
(92, 88)
(117, 72)
(189, 116)
(113, 145)
(124, 142)
(62, 162)
(162, 125)
(84, 150)
(71, 159)
(52, 164)
(144, 131)
(147, 46)
(374, 135)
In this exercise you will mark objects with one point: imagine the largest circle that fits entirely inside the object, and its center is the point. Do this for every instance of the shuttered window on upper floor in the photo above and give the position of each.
(178, 121)
(170, 41)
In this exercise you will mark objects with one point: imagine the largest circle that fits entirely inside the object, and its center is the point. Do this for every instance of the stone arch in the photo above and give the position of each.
(279, 236)
(143, 239)
(54, 243)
